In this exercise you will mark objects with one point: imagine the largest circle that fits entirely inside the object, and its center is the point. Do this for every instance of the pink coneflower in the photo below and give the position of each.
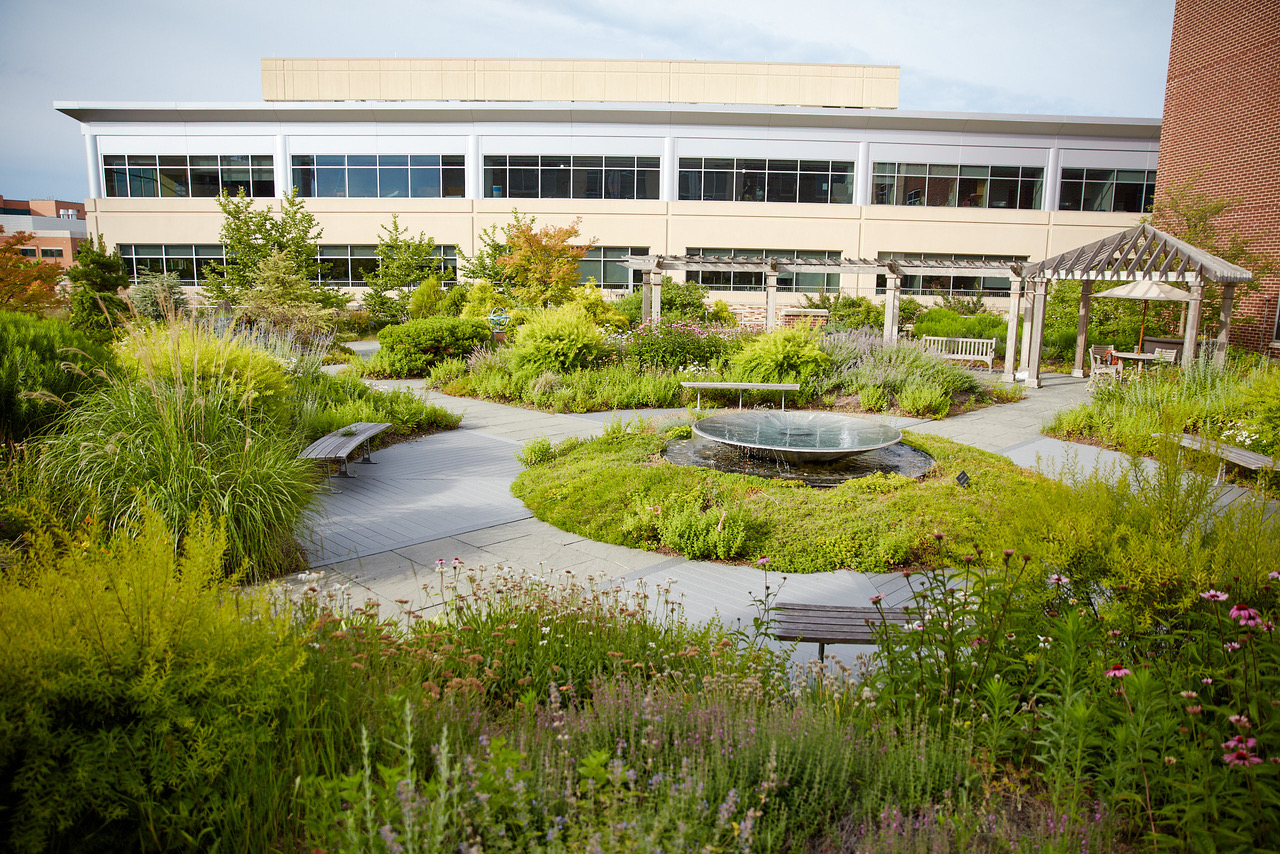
(1246, 615)
(764, 561)
(1214, 596)
(1241, 757)
(1117, 671)
(1058, 579)
(1189, 695)
(1239, 742)
(876, 598)
(1194, 710)
(1208, 680)
(1241, 721)
(1274, 575)
(1231, 646)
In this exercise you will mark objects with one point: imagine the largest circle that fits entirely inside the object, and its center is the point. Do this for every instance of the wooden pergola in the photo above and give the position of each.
(1141, 253)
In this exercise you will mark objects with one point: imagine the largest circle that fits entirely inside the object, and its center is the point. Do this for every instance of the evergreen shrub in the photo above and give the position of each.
(411, 349)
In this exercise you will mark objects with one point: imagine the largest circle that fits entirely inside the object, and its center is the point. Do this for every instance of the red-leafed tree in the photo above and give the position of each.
(26, 284)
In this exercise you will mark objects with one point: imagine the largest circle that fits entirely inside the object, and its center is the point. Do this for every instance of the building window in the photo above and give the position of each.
(754, 281)
(1118, 190)
(555, 176)
(347, 265)
(724, 179)
(939, 285)
(379, 176)
(27, 251)
(184, 260)
(188, 176)
(604, 264)
(50, 253)
(944, 185)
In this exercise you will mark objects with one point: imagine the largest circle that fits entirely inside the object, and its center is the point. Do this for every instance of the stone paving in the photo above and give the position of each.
(448, 496)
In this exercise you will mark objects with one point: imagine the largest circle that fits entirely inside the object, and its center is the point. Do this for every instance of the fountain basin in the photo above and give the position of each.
(797, 437)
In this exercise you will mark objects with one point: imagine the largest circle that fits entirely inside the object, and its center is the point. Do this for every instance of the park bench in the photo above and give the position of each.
(824, 624)
(340, 444)
(782, 387)
(963, 349)
(1227, 453)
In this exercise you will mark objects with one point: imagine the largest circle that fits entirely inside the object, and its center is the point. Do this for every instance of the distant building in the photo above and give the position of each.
(671, 158)
(59, 227)
(1222, 127)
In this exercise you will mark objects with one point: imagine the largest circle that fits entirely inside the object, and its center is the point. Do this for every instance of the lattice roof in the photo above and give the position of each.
(1141, 252)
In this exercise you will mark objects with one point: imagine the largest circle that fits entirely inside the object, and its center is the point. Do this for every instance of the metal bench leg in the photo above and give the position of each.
(739, 398)
(367, 460)
(784, 401)
(822, 651)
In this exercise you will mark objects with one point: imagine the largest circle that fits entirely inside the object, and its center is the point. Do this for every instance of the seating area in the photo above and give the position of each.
(1101, 368)
(339, 445)
(966, 350)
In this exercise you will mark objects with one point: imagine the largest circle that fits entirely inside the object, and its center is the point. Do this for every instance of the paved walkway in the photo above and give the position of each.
(448, 496)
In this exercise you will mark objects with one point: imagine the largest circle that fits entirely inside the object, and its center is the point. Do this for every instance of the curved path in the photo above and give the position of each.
(448, 496)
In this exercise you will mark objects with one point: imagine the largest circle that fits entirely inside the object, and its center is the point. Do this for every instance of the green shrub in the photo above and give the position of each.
(873, 398)
(923, 398)
(446, 371)
(716, 533)
(196, 356)
(944, 323)
(558, 340)
(34, 386)
(846, 312)
(157, 296)
(781, 356)
(535, 452)
(677, 344)
(411, 349)
(895, 366)
(140, 694)
(1260, 401)
(179, 447)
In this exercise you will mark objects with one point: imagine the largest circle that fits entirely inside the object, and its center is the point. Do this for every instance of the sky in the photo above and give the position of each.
(1055, 57)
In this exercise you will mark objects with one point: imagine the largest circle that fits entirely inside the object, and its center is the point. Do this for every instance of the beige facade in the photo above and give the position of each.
(595, 80)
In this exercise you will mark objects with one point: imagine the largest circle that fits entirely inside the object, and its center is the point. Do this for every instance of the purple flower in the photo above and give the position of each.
(764, 561)
(1117, 671)
(1214, 596)
(1246, 615)
(876, 598)
(1058, 579)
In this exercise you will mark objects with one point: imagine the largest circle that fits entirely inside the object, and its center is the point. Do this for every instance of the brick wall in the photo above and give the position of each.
(1222, 123)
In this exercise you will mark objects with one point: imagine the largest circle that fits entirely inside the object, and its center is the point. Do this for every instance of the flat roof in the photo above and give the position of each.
(603, 113)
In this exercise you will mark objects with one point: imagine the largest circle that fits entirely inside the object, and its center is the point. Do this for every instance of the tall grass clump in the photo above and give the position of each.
(326, 403)
(196, 427)
(145, 701)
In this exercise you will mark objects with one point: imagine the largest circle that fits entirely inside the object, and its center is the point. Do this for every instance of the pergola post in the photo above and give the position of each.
(1011, 337)
(1192, 332)
(646, 296)
(1082, 327)
(1224, 326)
(1039, 290)
(770, 297)
(1028, 313)
(892, 303)
(656, 306)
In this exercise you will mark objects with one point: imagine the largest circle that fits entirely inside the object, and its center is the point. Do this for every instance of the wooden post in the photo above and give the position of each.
(1082, 328)
(770, 298)
(892, 305)
(646, 296)
(1192, 331)
(1037, 333)
(1011, 336)
(656, 301)
(1028, 311)
(1224, 325)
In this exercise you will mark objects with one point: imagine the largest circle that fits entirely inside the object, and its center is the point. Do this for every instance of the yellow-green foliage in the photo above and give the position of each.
(591, 299)
(136, 683)
(187, 354)
(483, 298)
(782, 356)
(558, 339)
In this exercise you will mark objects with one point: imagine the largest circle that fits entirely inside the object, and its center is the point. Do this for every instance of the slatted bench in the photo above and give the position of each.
(1228, 453)
(824, 624)
(782, 387)
(963, 349)
(340, 444)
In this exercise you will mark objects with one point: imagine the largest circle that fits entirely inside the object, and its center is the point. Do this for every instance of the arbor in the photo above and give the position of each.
(543, 263)
(250, 235)
(404, 263)
(26, 284)
(96, 278)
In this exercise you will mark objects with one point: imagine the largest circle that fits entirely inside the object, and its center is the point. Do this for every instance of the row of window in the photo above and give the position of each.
(188, 176)
(343, 265)
(32, 252)
(725, 179)
(965, 286)
(433, 176)
(570, 177)
(379, 176)
(754, 281)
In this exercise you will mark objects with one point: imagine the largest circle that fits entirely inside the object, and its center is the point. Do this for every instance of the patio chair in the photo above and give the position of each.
(1163, 355)
(1100, 367)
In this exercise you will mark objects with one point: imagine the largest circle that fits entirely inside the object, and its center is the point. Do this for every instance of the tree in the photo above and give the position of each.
(542, 264)
(96, 280)
(404, 263)
(485, 265)
(26, 285)
(250, 235)
(157, 296)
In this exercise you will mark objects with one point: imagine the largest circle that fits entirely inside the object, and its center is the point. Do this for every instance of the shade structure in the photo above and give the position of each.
(1146, 289)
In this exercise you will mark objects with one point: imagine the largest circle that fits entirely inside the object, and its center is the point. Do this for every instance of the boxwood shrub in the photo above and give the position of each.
(410, 349)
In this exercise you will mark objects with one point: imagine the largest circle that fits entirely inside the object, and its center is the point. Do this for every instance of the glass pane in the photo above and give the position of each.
(142, 160)
(615, 273)
(180, 161)
(972, 192)
(882, 189)
(555, 160)
(783, 165)
(264, 183)
(184, 267)
(233, 161)
(173, 183)
(364, 251)
(782, 187)
(331, 160)
(619, 184)
(1034, 172)
(204, 183)
(1002, 193)
(619, 163)
(975, 171)
(650, 163)
(393, 183)
(523, 160)
(588, 183)
(453, 160)
(815, 166)
(1030, 195)
(362, 268)
(943, 170)
(116, 182)
(884, 169)
(690, 162)
(262, 161)
(750, 186)
(689, 186)
(647, 181)
(303, 160)
(717, 163)
(556, 183)
(1097, 195)
(142, 183)
(495, 183)
(842, 188)
(336, 269)
(1004, 172)
(912, 169)
(434, 160)
(910, 190)
(941, 193)
(752, 165)
(425, 183)
(113, 160)
(588, 161)
(393, 160)
(812, 187)
(361, 160)
(336, 251)
(234, 179)
(1099, 174)
(1128, 197)
(1073, 174)
(204, 161)
(1070, 196)
(208, 251)
(331, 183)
(522, 183)
(717, 186)
(495, 160)
(362, 183)
(304, 181)
(453, 181)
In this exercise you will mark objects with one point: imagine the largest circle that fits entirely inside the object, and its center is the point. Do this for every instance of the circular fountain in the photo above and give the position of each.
(819, 448)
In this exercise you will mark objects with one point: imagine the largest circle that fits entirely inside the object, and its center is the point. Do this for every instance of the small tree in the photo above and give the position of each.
(157, 296)
(404, 263)
(543, 263)
(250, 235)
(26, 284)
(96, 279)
(485, 265)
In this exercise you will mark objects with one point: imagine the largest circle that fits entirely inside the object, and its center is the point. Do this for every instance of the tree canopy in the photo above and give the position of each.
(250, 235)
(404, 264)
(26, 284)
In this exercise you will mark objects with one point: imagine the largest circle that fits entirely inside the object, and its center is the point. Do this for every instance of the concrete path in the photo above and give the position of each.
(448, 496)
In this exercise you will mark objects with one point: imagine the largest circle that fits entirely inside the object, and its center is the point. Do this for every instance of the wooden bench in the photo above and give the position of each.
(963, 349)
(782, 387)
(1228, 453)
(824, 624)
(340, 444)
